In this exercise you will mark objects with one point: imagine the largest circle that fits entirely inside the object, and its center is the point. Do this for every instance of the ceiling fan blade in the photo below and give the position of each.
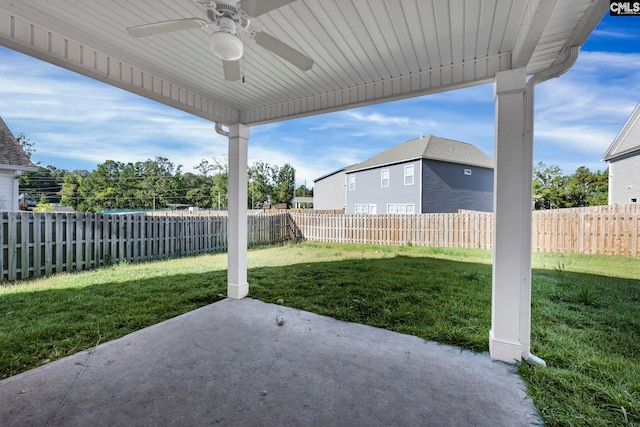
(231, 70)
(166, 27)
(255, 8)
(283, 50)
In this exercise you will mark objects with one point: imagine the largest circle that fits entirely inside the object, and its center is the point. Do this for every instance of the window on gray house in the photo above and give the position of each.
(408, 175)
(352, 182)
(384, 178)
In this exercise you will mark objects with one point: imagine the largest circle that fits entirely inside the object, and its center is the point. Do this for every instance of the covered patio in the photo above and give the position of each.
(247, 363)
(306, 57)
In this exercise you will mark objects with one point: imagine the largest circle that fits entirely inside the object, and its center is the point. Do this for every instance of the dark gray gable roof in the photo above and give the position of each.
(12, 156)
(428, 147)
(327, 175)
(628, 140)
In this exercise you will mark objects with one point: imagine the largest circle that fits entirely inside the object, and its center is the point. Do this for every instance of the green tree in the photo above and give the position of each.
(198, 190)
(284, 183)
(43, 205)
(46, 180)
(260, 184)
(548, 187)
(26, 144)
(303, 191)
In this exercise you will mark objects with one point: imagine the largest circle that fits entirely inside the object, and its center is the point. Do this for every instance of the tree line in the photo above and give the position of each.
(553, 190)
(159, 184)
(155, 184)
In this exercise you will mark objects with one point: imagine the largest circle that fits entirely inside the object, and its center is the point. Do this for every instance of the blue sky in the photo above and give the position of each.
(77, 123)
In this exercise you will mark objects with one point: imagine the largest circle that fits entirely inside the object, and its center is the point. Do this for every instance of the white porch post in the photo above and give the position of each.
(509, 338)
(237, 286)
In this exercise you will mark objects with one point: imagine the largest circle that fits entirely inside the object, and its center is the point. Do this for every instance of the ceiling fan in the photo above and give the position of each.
(228, 18)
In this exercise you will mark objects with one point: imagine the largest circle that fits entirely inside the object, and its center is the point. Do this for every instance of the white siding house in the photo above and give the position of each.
(13, 161)
(623, 157)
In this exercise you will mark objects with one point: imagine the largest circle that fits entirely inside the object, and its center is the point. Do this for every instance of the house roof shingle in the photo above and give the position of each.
(628, 140)
(12, 156)
(428, 147)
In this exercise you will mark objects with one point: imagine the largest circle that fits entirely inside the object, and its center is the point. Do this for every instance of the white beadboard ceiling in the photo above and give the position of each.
(365, 51)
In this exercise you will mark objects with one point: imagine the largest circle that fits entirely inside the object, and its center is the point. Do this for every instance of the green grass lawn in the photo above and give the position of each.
(585, 311)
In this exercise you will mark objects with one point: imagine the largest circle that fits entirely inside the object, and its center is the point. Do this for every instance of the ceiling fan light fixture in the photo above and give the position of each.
(224, 43)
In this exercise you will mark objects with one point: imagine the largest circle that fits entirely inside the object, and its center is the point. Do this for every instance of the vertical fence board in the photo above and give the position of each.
(24, 244)
(3, 245)
(12, 244)
(37, 245)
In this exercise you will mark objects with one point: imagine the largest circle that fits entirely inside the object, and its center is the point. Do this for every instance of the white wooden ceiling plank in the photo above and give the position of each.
(412, 15)
(471, 29)
(443, 29)
(457, 17)
(427, 18)
(514, 25)
(485, 24)
(404, 36)
(392, 47)
(501, 16)
(328, 52)
(360, 45)
(377, 46)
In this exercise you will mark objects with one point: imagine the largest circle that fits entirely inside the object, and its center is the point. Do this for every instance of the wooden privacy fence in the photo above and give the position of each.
(36, 244)
(464, 230)
(586, 232)
(570, 231)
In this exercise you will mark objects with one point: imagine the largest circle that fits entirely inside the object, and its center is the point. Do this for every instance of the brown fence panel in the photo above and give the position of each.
(613, 231)
(36, 244)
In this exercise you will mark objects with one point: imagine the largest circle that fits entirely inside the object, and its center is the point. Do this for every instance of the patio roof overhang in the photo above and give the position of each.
(364, 52)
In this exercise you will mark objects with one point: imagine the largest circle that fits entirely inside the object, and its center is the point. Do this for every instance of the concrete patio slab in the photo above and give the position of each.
(248, 363)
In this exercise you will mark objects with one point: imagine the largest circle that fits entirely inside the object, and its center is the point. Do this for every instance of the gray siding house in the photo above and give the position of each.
(328, 191)
(13, 161)
(623, 157)
(423, 175)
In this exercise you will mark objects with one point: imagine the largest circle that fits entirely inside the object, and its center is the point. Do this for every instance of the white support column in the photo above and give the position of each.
(509, 338)
(237, 286)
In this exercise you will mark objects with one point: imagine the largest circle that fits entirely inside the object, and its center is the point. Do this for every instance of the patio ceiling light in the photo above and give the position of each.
(224, 43)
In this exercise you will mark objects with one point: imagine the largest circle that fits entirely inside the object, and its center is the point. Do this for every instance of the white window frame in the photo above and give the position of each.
(409, 177)
(468, 172)
(352, 182)
(410, 209)
(373, 210)
(384, 176)
(364, 208)
(400, 209)
(391, 208)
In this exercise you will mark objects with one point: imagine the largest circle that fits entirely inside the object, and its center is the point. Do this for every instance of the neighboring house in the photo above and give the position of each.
(623, 157)
(13, 161)
(329, 191)
(424, 175)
